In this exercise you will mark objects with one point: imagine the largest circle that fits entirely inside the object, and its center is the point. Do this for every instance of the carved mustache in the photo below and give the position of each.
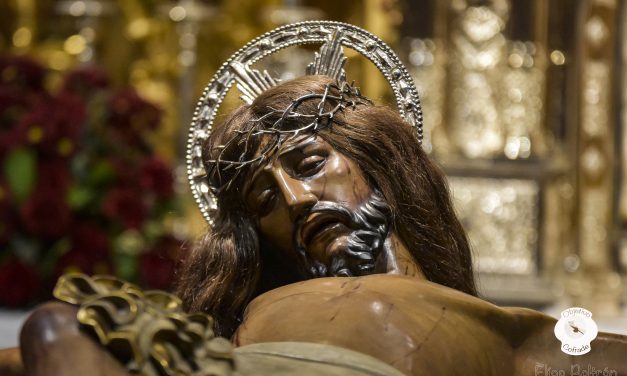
(339, 212)
(369, 222)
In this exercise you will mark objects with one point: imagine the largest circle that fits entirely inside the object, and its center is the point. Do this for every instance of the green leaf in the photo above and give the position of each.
(79, 197)
(101, 173)
(52, 254)
(125, 266)
(20, 172)
(26, 248)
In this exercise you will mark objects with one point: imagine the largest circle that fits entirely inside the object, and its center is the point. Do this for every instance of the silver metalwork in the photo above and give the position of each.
(330, 61)
(308, 32)
(251, 82)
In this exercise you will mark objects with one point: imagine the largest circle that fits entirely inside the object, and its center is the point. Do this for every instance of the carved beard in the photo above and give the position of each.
(369, 225)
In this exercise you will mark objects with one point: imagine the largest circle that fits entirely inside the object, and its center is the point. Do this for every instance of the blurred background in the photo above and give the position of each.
(525, 107)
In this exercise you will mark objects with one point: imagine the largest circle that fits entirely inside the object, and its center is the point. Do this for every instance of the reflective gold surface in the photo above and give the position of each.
(597, 212)
(502, 220)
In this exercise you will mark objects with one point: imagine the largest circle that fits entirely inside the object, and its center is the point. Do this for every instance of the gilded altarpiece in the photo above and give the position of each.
(520, 108)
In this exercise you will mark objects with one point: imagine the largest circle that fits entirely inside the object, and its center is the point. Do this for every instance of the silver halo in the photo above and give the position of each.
(308, 32)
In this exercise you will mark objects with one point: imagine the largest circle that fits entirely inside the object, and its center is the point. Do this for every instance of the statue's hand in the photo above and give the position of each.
(52, 344)
(147, 331)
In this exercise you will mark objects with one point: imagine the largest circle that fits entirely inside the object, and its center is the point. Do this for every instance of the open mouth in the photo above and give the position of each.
(317, 225)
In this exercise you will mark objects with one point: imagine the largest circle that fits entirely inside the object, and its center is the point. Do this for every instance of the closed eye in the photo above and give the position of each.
(265, 201)
(309, 166)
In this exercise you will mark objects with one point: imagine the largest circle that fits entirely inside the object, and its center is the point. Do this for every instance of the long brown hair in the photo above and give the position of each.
(230, 264)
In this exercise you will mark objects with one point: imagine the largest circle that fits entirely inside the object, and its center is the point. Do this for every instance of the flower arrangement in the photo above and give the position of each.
(80, 187)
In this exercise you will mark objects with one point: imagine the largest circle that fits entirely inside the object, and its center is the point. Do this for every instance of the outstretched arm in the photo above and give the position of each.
(422, 328)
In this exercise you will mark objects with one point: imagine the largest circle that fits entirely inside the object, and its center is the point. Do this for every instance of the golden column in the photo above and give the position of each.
(596, 284)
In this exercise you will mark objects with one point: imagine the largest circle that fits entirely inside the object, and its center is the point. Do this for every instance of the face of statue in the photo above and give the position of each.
(315, 206)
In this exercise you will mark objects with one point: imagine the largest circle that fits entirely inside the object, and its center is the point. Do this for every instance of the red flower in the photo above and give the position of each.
(124, 170)
(7, 215)
(21, 73)
(12, 107)
(70, 111)
(12, 104)
(54, 175)
(20, 283)
(131, 116)
(156, 176)
(157, 265)
(86, 80)
(90, 237)
(46, 214)
(89, 252)
(124, 205)
(54, 126)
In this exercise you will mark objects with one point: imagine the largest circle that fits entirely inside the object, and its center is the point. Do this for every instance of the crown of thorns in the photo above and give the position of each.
(339, 95)
(251, 83)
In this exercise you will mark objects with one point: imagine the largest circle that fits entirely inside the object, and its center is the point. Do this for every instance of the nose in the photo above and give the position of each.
(297, 194)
